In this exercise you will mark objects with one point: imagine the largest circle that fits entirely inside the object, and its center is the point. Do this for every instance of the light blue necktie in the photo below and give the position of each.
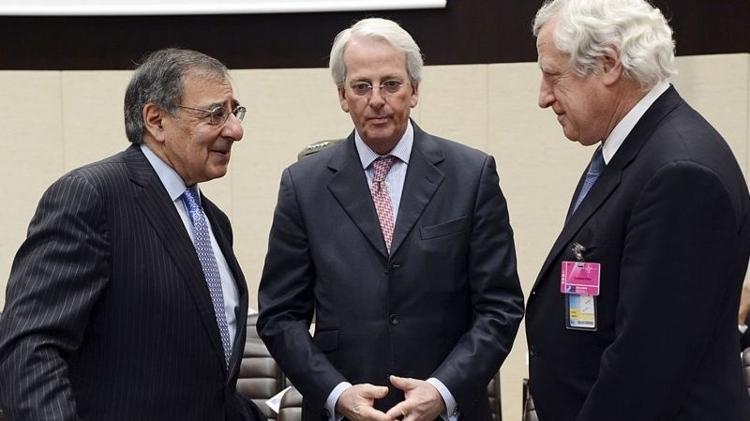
(202, 243)
(595, 168)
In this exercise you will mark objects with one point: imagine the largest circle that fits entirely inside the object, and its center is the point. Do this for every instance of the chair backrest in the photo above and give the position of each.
(493, 393)
(529, 411)
(260, 377)
(291, 406)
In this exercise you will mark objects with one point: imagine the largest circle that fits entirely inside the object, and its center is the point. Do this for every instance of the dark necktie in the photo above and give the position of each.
(595, 168)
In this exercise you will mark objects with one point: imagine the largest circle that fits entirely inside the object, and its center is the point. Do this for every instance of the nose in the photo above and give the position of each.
(546, 97)
(232, 128)
(376, 97)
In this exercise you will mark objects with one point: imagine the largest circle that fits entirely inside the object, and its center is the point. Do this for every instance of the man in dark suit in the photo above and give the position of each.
(398, 243)
(632, 316)
(126, 301)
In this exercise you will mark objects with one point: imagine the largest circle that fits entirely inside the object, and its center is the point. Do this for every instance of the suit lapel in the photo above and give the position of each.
(612, 175)
(159, 210)
(422, 180)
(349, 186)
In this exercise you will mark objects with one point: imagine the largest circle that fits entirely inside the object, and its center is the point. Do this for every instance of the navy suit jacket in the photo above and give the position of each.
(108, 316)
(668, 222)
(445, 303)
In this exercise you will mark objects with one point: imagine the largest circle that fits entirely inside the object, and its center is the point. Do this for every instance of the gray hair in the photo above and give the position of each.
(381, 29)
(588, 29)
(159, 80)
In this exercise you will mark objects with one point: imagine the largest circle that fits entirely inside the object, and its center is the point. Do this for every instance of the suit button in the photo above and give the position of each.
(394, 319)
(532, 351)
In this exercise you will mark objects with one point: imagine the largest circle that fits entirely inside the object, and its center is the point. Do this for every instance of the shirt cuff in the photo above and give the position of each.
(742, 328)
(451, 409)
(333, 397)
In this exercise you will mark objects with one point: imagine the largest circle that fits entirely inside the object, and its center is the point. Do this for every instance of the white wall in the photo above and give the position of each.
(55, 121)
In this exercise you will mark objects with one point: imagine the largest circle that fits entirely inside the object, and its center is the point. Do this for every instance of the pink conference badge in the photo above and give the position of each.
(580, 278)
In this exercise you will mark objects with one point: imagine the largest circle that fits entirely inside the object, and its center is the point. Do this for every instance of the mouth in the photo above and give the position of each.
(221, 152)
(378, 119)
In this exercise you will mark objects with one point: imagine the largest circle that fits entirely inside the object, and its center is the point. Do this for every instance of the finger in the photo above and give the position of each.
(370, 413)
(373, 392)
(400, 411)
(403, 383)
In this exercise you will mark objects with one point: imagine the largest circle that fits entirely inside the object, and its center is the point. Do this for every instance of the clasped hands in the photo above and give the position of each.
(422, 402)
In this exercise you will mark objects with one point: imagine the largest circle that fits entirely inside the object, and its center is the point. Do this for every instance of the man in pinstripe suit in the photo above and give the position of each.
(108, 313)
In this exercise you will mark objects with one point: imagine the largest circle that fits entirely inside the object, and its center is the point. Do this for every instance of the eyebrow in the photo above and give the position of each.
(213, 105)
(382, 79)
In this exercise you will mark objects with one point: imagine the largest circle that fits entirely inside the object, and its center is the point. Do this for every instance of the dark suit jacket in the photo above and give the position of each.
(446, 303)
(108, 316)
(668, 221)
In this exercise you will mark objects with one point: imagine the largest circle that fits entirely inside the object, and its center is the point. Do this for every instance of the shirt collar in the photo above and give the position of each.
(402, 150)
(625, 126)
(168, 176)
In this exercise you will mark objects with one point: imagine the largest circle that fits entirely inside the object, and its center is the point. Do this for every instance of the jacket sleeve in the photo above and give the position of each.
(286, 302)
(495, 294)
(56, 279)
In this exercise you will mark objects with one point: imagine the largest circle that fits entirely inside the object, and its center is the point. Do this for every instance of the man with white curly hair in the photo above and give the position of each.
(633, 314)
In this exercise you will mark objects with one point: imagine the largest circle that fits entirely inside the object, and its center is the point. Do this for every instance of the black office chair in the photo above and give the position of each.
(529, 411)
(290, 408)
(493, 393)
(260, 377)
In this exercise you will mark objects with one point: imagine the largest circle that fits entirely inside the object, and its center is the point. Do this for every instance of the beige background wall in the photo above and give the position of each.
(55, 121)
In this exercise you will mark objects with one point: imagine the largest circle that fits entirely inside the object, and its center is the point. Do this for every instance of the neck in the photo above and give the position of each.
(624, 97)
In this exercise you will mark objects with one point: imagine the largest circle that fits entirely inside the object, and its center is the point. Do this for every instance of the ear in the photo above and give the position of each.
(414, 98)
(153, 116)
(342, 100)
(611, 66)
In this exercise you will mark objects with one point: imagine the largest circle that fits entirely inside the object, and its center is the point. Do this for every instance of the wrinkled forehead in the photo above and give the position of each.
(208, 88)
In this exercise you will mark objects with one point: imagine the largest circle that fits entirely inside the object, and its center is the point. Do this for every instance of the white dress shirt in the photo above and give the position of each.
(613, 142)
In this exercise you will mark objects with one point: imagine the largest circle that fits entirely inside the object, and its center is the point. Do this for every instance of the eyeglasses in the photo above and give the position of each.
(388, 87)
(218, 115)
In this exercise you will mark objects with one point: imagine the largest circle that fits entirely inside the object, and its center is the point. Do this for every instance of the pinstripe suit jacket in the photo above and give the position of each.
(107, 315)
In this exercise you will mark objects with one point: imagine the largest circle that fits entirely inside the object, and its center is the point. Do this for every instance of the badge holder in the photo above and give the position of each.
(579, 282)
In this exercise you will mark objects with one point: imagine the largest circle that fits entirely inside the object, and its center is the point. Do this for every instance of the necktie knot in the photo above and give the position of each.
(190, 198)
(595, 168)
(381, 167)
(597, 163)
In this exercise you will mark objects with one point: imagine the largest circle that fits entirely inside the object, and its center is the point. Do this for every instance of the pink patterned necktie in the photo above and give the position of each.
(381, 198)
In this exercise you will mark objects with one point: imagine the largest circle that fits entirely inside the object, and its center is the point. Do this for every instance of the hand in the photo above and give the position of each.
(423, 402)
(744, 304)
(356, 403)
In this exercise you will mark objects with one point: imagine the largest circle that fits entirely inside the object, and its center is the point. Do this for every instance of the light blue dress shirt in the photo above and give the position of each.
(175, 187)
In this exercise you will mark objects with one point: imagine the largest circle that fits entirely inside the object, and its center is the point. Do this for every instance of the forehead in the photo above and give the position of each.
(206, 88)
(549, 56)
(368, 57)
